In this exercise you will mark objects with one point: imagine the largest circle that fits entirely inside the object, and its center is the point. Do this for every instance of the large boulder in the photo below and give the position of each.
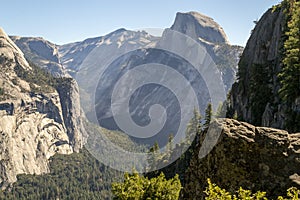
(256, 158)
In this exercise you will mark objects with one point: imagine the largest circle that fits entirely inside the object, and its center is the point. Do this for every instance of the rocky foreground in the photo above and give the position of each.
(256, 158)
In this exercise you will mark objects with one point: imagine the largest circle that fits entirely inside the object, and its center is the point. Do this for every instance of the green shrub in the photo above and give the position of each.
(139, 187)
(214, 192)
(290, 74)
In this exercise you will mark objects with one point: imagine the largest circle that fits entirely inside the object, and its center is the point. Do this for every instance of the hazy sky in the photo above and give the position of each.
(63, 21)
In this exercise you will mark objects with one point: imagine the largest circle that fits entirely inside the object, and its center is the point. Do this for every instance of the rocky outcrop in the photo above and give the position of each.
(72, 114)
(31, 132)
(11, 51)
(36, 120)
(261, 63)
(256, 158)
(42, 53)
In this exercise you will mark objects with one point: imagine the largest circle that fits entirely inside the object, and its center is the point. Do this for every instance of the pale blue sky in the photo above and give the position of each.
(63, 21)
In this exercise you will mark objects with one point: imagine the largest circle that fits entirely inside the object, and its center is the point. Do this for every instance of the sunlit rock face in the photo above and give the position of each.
(33, 125)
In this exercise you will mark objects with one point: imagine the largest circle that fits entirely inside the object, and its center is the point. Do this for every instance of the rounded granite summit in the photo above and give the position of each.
(199, 27)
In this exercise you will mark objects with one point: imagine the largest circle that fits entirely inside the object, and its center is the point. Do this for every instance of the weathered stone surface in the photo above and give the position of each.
(33, 126)
(72, 114)
(211, 35)
(11, 51)
(199, 26)
(256, 158)
(263, 48)
(30, 134)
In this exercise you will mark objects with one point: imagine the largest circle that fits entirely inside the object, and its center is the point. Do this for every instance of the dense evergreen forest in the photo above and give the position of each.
(290, 75)
(75, 176)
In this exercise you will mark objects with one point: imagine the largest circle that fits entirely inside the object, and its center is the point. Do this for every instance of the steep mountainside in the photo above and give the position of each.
(257, 96)
(72, 55)
(41, 52)
(211, 35)
(200, 27)
(36, 120)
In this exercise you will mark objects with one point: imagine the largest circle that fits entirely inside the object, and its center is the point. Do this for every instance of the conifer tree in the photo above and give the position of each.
(208, 115)
(154, 156)
(194, 126)
(290, 75)
(170, 143)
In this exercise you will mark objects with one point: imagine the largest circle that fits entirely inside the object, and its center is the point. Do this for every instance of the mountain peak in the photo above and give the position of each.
(199, 27)
(198, 15)
(11, 44)
(42, 52)
(11, 51)
(2, 32)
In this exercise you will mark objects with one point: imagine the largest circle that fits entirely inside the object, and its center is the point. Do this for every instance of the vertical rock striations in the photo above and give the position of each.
(255, 97)
(210, 34)
(36, 120)
(199, 26)
(70, 101)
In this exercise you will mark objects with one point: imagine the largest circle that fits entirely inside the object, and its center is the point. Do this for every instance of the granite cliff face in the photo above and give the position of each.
(255, 158)
(255, 96)
(200, 27)
(72, 113)
(211, 35)
(36, 120)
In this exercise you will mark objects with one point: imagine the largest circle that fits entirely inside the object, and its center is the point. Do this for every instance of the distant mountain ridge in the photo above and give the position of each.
(72, 55)
(71, 58)
(42, 52)
(210, 34)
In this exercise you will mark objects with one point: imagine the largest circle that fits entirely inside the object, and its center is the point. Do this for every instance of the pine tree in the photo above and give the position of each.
(222, 109)
(153, 156)
(260, 91)
(170, 143)
(208, 115)
(290, 75)
(194, 127)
